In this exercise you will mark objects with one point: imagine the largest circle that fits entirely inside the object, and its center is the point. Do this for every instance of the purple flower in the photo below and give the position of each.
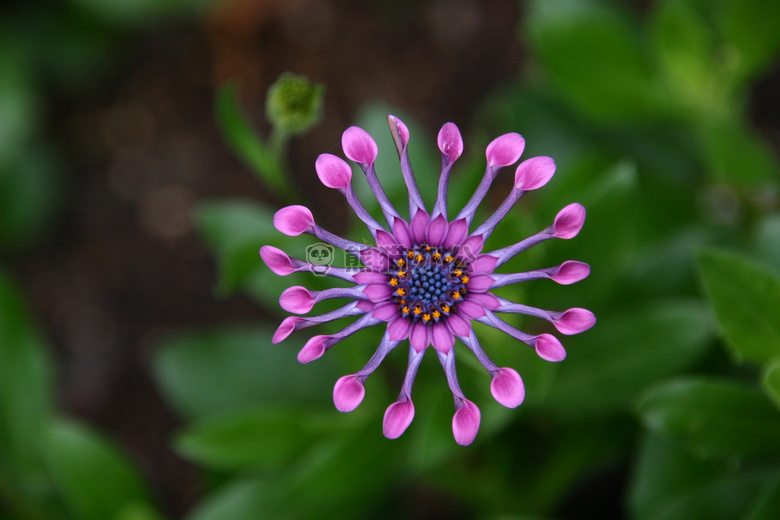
(427, 278)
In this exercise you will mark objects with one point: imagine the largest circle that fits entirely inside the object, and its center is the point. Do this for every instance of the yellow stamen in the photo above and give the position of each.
(401, 262)
(455, 295)
(465, 279)
(394, 281)
(427, 248)
(448, 258)
(426, 317)
(405, 309)
(401, 274)
(401, 291)
(403, 302)
(410, 254)
(436, 314)
(419, 258)
(436, 255)
(417, 310)
(445, 308)
(457, 272)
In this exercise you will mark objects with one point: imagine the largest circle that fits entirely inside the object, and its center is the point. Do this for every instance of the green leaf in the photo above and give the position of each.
(253, 438)
(767, 241)
(25, 380)
(669, 483)
(94, 479)
(608, 366)
(771, 382)
(737, 154)
(218, 370)
(746, 297)
(593, 55)
(242, 138)
(750, 31)
(713, 417)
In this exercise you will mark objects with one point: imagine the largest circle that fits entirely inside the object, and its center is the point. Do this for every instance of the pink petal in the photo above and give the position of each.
(293, 220)
(486, 299)
(296, 299)
(398, 329)
(450, 141)
(480, 283)
(534, 173)
(549, 348)
(443, 340)
(483, 264)
(375, 259)
(471, 309)
(358, 145)
(419, 225)
(365, 277)
(277, 260)
(402, 233)
(471, 248)
(437, 231)
(505, 150)
(365, 305)
(286, 328)
(420, 336)
(313, 349)
(348, 393)
(399, 132)
(569, 221)
(457, 232)
(458, 325)
(507, 387)
(574, 321)
(334, 172)
(398, 417)
(385, 311)
(378, 292)
(387, 242)
(571, 271)
(465, 424)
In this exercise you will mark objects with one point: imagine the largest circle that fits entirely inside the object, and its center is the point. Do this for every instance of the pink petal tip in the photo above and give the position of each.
(450, 141)
(569, 221)
(534, 173)
(286, 328)
(505, 150)
(348, 393)
(334, 172)
(571, 271)
(296, 299)
(507, 387)
(358, 145)
(277, 260)
(574, 321)
(293, 220)
(465, 423)
(549, 348)
(313, 349)
(398, 417)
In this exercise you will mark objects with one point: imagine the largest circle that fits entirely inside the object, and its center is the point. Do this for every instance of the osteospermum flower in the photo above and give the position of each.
(427, 278)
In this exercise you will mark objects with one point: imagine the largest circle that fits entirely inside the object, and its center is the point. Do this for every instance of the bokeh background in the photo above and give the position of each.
(138, 177)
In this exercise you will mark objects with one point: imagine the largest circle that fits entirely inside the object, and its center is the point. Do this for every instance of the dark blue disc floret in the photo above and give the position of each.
(428, 282)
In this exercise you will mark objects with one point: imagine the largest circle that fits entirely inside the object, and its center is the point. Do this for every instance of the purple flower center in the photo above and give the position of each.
(429, 282)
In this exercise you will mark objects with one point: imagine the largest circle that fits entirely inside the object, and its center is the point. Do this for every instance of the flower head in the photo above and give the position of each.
(427, 278)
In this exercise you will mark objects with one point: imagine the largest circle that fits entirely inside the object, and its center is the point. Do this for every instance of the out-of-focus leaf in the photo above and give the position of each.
(138, 511)
(670, 483)
(254, 438)
(746, 299)
(19, 99)
(684, 45)
(129, 13)
(94, 479)
(767, 242)
(238, 500)
(768, 504)
(211, 371)
(608, 366)
(750, 30)
(25, 380)
(771, 382)
(247, 144)
(737, 155)
(714, 417)
(593, 55)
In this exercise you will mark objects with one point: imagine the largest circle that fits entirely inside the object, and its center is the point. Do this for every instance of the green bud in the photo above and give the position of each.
(294, 104)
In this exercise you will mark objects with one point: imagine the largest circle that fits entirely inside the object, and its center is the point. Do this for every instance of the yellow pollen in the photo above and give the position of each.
(457, 272)
(426, 317)
(410, 254)
(448, 258)
(455, 295)
(403, 301)
(465, 279)
(401, 291)
(394, 282)
(405, 309)
(417, 310)
(427, 248)
(436, 314)
(401, 262)
(445, 308)
(436, 255)
(419, 258)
